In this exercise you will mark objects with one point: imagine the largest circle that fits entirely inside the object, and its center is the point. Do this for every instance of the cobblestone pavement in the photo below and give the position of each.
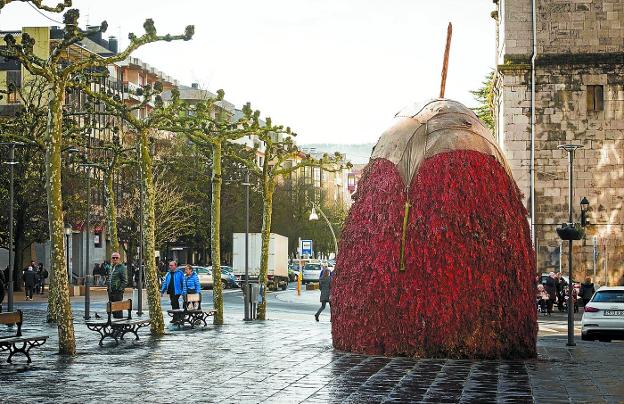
(289, 359)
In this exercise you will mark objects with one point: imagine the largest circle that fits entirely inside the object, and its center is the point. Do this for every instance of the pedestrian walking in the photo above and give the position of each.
(587, 290)
(551, 289)
(42, 275)
(561, 288)
(117, 280)
(30, 280)
(325, 286)
(105, 270)
(191, 286)
(173, 285)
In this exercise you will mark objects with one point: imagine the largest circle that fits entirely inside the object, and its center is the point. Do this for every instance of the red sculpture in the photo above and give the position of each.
(436, 258)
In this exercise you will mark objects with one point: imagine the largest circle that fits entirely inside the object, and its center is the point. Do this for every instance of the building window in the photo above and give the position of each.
(595, 98)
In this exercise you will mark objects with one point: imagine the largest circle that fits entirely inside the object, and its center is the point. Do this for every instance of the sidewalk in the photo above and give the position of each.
(307, 296)
(287, 360)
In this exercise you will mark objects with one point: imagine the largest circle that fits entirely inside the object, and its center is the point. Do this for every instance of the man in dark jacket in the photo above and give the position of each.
(173, 285)
(587, 290)
(117, 280)
(30, 280)
(551, 289)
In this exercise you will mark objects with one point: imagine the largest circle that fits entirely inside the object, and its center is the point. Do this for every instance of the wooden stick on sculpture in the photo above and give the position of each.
(449, 34)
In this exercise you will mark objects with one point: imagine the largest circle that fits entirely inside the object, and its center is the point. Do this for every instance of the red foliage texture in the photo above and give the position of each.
(467, 288)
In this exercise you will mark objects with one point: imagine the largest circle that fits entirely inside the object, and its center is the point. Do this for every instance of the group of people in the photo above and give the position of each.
(180, 283)
(555, 289)
(34, 277)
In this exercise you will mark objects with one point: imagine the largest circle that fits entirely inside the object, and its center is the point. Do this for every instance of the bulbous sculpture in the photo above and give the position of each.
(436, 258)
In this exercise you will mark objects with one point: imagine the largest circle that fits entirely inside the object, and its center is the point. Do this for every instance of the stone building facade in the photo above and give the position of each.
(579, 98)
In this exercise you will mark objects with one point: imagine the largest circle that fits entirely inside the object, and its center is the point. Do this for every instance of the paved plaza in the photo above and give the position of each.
(289, 359)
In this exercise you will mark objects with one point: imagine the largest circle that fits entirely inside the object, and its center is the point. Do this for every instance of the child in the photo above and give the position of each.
(542, 299)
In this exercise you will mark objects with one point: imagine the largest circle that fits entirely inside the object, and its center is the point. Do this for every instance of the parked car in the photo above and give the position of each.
(603, 318)
(228, 279)
(205, 276)
(311, 273)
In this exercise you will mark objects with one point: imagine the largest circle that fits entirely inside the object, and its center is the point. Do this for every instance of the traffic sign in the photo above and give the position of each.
(306, 247)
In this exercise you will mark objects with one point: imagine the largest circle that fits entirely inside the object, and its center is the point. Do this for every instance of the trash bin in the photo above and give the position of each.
(251, 298)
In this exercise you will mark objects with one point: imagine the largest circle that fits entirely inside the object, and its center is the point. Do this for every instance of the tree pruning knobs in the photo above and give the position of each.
(149, 27)
(189, 31)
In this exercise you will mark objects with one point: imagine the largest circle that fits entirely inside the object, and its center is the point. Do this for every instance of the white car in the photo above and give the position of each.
(311, 273)
(603, 318)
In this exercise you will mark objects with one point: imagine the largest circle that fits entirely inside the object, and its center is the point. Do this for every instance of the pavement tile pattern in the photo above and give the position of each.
(291, 360)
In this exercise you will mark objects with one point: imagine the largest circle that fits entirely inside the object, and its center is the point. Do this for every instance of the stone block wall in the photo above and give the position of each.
(579, 45)
(563, 26)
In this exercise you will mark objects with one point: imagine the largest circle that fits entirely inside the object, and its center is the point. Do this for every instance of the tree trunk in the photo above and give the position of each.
(267, 211)
(111, 209)
(151, 274)
(216, 233)
(59, 304)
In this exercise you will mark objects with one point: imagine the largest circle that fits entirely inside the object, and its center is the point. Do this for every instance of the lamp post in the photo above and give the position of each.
(570, 232)
(141, 236)
(88, 166)
(11, 163)
(247, 294)
(314, 216)
(68, 232)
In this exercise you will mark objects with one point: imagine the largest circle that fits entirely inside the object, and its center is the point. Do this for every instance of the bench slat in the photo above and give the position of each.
(119, 306)
(193, 297)
(8, 341)
(12, 317)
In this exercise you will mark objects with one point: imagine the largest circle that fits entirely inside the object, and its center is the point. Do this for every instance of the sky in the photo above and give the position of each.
(335, 71)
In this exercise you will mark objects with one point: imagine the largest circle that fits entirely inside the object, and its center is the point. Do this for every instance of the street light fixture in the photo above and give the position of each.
(68, 233)
(247, 294)
(88, 165)
(314, 216)
(584, 206)
(570, 231)
(11, 162)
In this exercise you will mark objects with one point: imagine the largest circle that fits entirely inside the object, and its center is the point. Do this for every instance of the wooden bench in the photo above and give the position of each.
(192, 316)
(10, 343)
(117, 328)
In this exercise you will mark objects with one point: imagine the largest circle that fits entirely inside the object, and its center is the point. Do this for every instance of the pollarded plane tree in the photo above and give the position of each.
(210, 127)
(59, 72)
(144, 129)
(27, 124)
(282, 157)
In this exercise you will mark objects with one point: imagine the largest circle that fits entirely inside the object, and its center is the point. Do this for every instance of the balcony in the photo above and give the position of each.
(130, 91)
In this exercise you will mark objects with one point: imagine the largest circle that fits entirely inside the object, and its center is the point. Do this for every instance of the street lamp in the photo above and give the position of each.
(584, 206)
(88, 165)
(314, 216)
(11, 162)
(247, 294)
(68, 233)
(141, 235)
(570, 231)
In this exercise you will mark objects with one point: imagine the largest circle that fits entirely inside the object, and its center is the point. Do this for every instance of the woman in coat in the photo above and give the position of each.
(191, 285)
(325, 286)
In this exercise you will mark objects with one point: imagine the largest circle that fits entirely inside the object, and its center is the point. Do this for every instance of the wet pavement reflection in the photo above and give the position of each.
(290, 359)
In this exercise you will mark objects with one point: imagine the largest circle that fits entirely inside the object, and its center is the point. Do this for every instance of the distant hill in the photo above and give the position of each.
(356, 153)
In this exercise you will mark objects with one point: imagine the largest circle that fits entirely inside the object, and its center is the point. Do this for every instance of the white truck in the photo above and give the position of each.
(278, 258)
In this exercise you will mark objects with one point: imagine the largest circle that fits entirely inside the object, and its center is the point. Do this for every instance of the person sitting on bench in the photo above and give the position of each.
(191, 286)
